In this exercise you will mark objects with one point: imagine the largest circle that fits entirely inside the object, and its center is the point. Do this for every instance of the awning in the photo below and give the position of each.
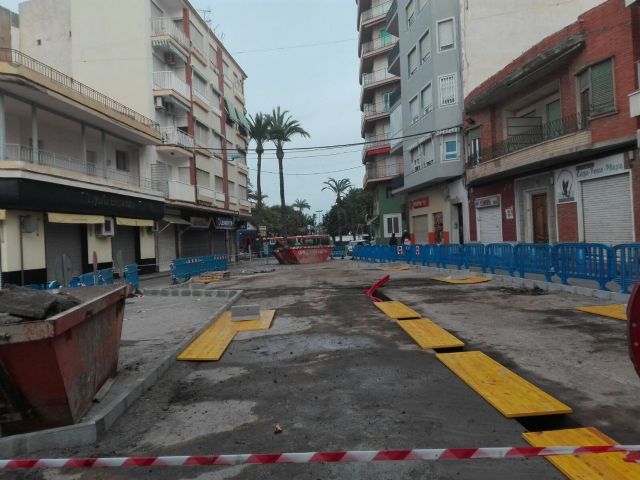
(177, 52)
(231, 111)
(175, 220)
(3, 214)
(134, 222)
(198, 72)
(170, 46)
(75, 218)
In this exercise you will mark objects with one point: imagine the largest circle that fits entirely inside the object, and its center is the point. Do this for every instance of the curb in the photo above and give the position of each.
(91, 431)
(541, 284)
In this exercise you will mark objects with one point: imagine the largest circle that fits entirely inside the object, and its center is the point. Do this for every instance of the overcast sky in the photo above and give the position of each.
(317, 84)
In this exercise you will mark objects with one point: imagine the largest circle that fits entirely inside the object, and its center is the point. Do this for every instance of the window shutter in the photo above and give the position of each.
(445, 34)
(425, 46)
(602, 87)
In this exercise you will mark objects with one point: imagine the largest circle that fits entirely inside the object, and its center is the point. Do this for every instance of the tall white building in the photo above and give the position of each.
(160, 58)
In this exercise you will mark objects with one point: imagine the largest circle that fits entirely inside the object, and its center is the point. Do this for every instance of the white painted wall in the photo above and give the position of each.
(513, 27)
(50, 22)
(33, 243)
(100, 245)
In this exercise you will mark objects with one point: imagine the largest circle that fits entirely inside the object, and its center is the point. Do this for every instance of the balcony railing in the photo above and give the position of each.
(382, 171)
(529, 137)
(206, 192)
(379, 44)
(175, 136)
(17, 58)
(393, 54)
(375, 109)
(393, 9)
(379, 11)
(166, 26)
(181, 191)
(202, 96)
(168, 80)
(395, 96)
(377, 76)
(24, 153)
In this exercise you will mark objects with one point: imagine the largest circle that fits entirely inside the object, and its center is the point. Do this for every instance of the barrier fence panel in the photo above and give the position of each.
(589, 261)
(475, 255)
(339, 251)
(534, 258)
(452, 254)
(429, 254)
(131, 276)
(186, 268)
(624, 265)
(500, 256)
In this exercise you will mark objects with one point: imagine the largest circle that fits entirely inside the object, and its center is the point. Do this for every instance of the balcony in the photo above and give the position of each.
(382, 172)
(373, 112)
(379, 77)
(393, 60)
(16, 64)
(530, 148)
(166, 27)
(23, 157)
(168, 83)
(206, 195)
(182, 192)
(392, 19)
(379, 45)
(203, 100)
(375, 14)
(176, 142)
(375, 145)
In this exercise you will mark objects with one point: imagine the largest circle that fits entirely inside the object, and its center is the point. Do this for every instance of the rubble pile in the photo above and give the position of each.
(19, 304)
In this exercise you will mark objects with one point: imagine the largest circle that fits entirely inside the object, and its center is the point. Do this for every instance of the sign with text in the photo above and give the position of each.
(419, 203)
(225, 223)
(484, 202)
(602, 167)
(199, 222)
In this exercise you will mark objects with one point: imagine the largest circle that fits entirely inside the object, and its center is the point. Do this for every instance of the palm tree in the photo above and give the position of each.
(301, 204)
(339, 187)
(259, 131)
(283, 128)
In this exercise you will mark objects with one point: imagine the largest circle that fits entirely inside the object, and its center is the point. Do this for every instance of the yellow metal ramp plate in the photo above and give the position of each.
(602, 466)
(266, 318)
(396, 268)
(463, 281)
(429, 335)
(618, 311)
(397, 310)
(212, 343)
(507, 392)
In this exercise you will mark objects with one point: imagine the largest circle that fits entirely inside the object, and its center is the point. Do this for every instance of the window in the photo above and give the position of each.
(425, 47)
(413, 61)
(446, 35)
(411, 13)
(414, 110)
(232, 189)
(428, 153)
(416, 159)
(219, 184)
(450, 147)
(122, 160)
(242, 192)
(392, 224)
(386, 100)
(596, 89)
(202, 178)
(473, 145)
(426, 99)
(448, 85)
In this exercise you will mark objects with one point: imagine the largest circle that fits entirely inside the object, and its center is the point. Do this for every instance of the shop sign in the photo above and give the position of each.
(225, 223)
(419, 203)
(199, 222)
(602, 167)
(484, 202)
(565, 186)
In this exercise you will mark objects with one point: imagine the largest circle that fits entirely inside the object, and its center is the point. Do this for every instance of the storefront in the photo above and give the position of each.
(595, 201)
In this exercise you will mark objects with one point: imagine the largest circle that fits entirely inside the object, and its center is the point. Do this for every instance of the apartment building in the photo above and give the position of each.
(73, 189)
(445, 50)
(427, 60)
(384, 169)
(162, 59)
(552, 147)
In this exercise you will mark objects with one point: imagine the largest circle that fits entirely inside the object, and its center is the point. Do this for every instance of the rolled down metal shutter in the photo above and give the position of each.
(421, 229)
(60, 239)
(166, 247)
(489, 224)
(606, 207)
(195, 243)
(124, 241)
(220, 242)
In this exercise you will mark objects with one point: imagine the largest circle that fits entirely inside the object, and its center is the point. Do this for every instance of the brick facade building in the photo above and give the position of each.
(550, 143)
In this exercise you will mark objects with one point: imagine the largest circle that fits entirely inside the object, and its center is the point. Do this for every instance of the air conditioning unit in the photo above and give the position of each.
(106, 229)
(158, 103)
(170, 58)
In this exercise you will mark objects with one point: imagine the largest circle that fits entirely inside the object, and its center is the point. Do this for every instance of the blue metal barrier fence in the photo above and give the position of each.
(183, 269)
(589, 261)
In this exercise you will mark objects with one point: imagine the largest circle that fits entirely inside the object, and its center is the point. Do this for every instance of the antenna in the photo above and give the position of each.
(206, 16)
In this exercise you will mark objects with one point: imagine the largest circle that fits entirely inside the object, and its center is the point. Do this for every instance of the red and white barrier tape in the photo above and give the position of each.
(633, 457)
(319, 457)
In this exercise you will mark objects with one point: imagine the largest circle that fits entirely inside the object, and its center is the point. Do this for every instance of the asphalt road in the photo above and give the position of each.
(336, 374)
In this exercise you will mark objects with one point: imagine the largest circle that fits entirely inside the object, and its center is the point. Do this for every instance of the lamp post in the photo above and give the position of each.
(318, 220)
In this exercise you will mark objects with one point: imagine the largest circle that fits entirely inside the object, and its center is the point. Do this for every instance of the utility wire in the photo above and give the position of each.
(315, 173)
(291, 47)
